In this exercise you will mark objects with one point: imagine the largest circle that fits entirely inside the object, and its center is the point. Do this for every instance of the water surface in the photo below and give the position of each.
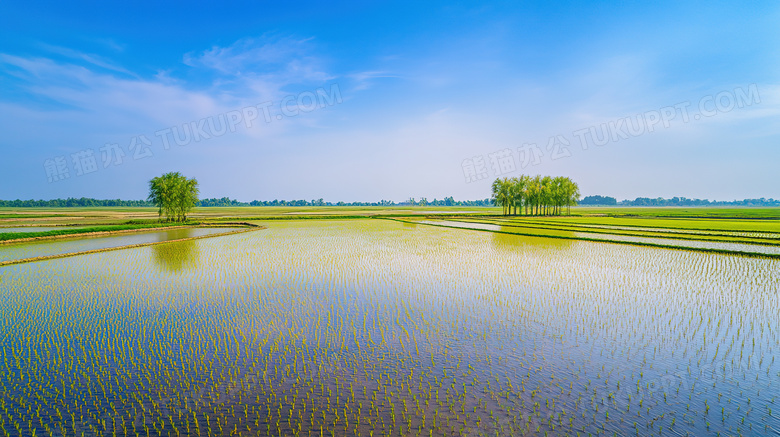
(30, 249)
(374, 327)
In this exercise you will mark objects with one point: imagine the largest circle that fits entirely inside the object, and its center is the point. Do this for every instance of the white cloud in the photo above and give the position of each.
(93, 59)
(100, 94)
(98, 90)
(277, 60)
(364, 79)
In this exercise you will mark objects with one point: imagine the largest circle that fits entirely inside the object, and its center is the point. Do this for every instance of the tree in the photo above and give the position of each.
(174, 195)
(547, 194)
(502, 194)
(535, 193)
(572, 194)
(560, 189)
(520, 192)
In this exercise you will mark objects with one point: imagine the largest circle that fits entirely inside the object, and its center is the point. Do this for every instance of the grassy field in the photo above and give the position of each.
(10, 217)
(114, 215)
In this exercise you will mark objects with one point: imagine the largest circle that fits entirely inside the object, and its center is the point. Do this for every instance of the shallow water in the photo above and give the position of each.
(11, 251)
(374, 327)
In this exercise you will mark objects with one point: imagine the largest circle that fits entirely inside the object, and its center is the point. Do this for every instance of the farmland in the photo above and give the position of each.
(389, 321)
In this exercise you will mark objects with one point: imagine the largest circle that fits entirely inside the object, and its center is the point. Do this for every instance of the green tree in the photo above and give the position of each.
(174, 195)
(502, 194)
(559, 193)
(572, 194)
(535, 193)
(539, 195)
(547, 194)
(520, 193)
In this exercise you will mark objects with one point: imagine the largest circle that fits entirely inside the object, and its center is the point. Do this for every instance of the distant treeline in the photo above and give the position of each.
(682, 201)
(598, 200)
(87, 202)
(447, 201)
(71, 202)
(675, 201)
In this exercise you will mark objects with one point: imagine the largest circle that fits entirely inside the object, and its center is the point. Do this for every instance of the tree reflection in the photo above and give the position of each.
(176, 257)
(505, 241)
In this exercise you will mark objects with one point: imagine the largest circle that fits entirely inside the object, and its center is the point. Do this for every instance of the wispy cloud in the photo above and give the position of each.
(282, 60)
(92, 59)
(110, 44)
(103, 95)
(247, 72)
(365, 79)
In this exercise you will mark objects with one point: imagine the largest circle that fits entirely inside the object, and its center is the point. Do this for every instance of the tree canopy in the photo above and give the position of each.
(174, 195)
(539, 195)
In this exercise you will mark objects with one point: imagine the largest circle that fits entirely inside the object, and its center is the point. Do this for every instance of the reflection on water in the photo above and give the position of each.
(177, 256)
(518, 242)
(176, 234)
(82, 243)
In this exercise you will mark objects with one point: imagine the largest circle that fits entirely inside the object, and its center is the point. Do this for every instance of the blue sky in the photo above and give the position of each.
(389, 100)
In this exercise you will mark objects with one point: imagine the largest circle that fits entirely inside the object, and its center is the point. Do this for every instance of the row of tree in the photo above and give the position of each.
(71, 202)
(174, 195)
(539, 195)
(447, 201)
(675, 201)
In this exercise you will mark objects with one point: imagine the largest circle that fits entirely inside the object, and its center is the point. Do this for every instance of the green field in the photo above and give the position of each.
(64, 216)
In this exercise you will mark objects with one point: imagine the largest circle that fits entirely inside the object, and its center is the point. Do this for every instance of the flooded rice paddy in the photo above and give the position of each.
(373, 327)
(76, 243)
(754, 247)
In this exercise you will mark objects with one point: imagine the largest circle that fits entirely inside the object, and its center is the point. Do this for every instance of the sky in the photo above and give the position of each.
(364, 101)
